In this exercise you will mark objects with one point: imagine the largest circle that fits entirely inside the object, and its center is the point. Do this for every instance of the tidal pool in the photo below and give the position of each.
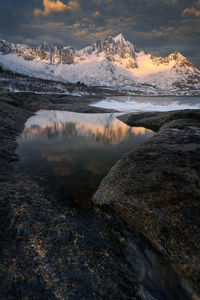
(75, 151)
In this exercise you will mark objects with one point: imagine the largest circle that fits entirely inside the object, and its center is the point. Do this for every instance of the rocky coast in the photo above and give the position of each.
(146, 246)
(156, 188)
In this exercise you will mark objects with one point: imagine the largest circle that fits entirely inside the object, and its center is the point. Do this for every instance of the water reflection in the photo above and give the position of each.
(75, 151)
(104, 128)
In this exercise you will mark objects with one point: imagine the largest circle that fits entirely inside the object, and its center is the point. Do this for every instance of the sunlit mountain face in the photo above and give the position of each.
(75, 151)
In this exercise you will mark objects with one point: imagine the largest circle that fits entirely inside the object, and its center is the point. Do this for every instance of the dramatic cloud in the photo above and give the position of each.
(57, 6)
(153, 25)
(191, 11)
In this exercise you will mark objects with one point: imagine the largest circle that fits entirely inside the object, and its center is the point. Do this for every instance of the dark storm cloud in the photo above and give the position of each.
(156, 25)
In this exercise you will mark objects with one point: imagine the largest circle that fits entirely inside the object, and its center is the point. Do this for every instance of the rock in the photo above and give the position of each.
(156, 189)
(155, 120)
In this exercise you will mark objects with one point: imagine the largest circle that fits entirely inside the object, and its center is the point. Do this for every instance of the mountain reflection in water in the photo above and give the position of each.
(105, 128)
(75, 151)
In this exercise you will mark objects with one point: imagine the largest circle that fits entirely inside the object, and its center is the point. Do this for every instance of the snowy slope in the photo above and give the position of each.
(113, 62)
(174, 71)
(95, 73)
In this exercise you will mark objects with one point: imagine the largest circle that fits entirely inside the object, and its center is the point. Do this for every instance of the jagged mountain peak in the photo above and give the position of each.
(2, 41)
(176, 56)
(119, 38)
(118, 41)
(173, 60)
(116, 50)
(181, 62)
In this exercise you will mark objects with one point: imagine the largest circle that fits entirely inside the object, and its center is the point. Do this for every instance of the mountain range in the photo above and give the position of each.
(113, 62)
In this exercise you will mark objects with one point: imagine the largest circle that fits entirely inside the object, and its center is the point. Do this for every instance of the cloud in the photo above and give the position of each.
(96, 14)
(191, 11)
(102, 34)
(56, 6)
(80, 33)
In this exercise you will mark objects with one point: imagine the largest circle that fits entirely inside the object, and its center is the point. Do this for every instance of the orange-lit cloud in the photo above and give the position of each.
(191, 11)
(80, 33)
(101, 34)
(96, 14)
(56, 7)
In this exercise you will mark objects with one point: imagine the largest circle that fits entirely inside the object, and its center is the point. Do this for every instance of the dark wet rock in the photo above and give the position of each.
(156, 189)
(155, 120)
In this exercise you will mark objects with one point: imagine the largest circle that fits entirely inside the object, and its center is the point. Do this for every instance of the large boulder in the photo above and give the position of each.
(156, 189)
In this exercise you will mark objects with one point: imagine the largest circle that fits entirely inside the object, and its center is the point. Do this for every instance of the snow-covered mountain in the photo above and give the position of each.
(113, 62)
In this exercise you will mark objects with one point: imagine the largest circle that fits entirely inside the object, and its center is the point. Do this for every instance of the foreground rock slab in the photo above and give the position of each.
(156, 189)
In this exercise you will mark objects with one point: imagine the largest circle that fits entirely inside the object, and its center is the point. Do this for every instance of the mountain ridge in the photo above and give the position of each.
(113, 62)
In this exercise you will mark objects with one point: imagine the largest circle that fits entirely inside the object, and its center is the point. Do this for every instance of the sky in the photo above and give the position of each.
(162, 26)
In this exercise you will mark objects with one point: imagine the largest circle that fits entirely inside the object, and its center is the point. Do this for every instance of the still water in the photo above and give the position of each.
(146, 104)
(75, 151)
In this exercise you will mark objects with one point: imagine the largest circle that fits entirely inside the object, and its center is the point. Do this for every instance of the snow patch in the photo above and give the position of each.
(119, 38)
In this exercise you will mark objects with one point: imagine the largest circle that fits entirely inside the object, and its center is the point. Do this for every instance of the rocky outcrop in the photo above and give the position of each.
(156, 189)
(155, 120)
